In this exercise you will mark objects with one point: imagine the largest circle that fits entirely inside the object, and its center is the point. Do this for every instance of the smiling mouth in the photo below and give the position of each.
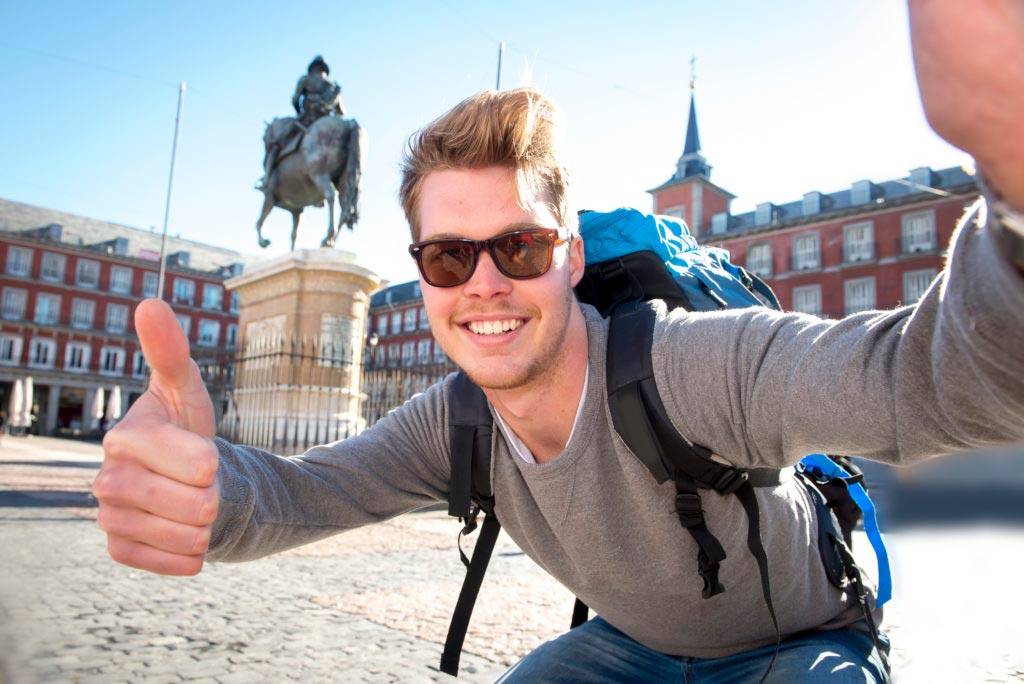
(494, 327)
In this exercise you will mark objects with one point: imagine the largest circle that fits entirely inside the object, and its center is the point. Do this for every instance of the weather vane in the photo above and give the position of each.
(693, 72)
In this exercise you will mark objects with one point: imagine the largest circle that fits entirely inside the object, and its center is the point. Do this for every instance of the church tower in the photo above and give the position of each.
(689, 194)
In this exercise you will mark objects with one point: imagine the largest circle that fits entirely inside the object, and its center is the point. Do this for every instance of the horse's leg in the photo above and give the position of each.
(295, 225)
(323, 182)
(268, 205)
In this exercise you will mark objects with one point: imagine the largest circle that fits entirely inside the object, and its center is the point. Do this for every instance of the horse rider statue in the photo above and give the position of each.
(315, 96)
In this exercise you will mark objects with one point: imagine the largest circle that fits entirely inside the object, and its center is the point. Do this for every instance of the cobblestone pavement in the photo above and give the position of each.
(373, 605)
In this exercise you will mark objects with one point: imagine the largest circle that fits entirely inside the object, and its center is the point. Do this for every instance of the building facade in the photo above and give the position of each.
(68, 291)
(398, 332)
(868, 246)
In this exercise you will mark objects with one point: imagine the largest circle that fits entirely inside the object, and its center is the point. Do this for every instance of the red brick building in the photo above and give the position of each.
(68, 290)
(398, 331)
(868, 246)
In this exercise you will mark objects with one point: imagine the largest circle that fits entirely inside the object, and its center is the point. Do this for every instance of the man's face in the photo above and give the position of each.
(505, 333)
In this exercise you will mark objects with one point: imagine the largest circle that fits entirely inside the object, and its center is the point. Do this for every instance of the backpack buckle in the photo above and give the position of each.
(730, 480)
(689, 509)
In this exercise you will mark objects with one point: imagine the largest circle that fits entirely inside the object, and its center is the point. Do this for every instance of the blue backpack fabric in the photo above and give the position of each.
(705, 274)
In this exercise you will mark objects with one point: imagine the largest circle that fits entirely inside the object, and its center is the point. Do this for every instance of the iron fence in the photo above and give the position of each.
(286, 395)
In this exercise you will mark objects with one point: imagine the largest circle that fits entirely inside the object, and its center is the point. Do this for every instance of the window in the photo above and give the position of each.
(232, 335)
(209, 333)
(83, 311)
(76, 357)
(139, 365)
(858, 242)
(19, 261)
(42, 353)
(409, 320)
(423, 352)
(117, 318)
(185, 321)
(111, 361)
(807, 299)
(382, 325)
(424, 323)
(52, 267)
(87, 273)
(396, 322)
(916, 283)
(14, 301)
(10, 350)
(236, 302)
(184, 291)
(678, 211)
(47, 308)
(394, 350)
(213, 296)
(150, 283)
(759, 259)
(121, 279)
(860, 295)
(439, 356)
(805, 252)
(408, 353)
(919, 232)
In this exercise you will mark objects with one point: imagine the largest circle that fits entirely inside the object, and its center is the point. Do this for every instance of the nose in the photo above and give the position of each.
(487, 281)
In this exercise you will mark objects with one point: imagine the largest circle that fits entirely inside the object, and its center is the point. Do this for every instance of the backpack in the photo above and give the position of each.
(633, 258)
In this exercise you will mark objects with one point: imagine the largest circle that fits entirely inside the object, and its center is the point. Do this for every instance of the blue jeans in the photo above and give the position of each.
(597, 653)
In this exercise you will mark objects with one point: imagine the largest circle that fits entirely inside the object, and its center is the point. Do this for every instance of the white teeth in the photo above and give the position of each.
(494, 327)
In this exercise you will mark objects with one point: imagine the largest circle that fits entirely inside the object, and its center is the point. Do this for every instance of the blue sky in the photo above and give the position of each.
(791, 98)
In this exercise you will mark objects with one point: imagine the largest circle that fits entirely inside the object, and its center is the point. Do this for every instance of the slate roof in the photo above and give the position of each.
(397, 295)
(82, 231)
(953, 179)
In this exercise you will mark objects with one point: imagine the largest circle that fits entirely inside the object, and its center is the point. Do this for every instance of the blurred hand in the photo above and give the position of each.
(157, 487)
(970, 69)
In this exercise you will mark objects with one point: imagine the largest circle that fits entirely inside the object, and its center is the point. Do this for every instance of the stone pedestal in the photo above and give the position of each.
(301, 327)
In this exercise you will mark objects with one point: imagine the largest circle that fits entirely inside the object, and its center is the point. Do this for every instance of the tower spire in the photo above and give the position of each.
(692, 162)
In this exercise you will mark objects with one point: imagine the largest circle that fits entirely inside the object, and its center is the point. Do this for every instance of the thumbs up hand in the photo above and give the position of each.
(157, 487)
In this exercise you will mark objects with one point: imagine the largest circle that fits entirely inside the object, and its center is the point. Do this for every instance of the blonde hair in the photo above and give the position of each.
(517, 129)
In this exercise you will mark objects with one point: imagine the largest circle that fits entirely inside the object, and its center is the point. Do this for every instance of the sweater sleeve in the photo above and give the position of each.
(763, 388)
(271, 503)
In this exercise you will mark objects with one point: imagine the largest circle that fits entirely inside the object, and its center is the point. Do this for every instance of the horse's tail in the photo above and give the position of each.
(349, 176)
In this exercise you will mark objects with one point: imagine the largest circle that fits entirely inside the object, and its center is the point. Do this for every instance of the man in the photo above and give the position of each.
(758, 387)
(315, 97)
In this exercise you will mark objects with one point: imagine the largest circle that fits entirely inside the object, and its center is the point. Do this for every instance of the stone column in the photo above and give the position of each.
(301, 329)
(52, 405)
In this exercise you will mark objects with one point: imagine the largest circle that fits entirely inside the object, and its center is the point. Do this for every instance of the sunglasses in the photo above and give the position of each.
(521, 254)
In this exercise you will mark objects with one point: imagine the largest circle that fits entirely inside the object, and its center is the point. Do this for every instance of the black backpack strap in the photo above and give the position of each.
(467, 596)
(641, 420)
(580, 614)
(470, 428)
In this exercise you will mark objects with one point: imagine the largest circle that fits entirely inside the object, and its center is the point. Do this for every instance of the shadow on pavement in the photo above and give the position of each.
(46, 499)
(95, 465)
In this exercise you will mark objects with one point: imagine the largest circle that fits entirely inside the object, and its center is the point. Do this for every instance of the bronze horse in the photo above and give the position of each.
(328, 161)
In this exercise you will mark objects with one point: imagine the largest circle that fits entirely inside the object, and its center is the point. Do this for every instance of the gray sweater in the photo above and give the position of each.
(757, 387)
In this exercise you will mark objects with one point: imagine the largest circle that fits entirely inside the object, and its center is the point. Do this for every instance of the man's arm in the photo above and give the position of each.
(270, 503)
(300, 87)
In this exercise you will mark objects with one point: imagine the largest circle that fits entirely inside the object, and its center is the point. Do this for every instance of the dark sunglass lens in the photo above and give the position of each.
(445, 264)
(524, 255)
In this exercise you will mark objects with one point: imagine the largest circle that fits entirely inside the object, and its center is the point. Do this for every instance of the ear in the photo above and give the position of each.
(576, 260)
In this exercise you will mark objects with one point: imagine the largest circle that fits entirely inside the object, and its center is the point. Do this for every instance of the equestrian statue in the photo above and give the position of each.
(313, 157)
